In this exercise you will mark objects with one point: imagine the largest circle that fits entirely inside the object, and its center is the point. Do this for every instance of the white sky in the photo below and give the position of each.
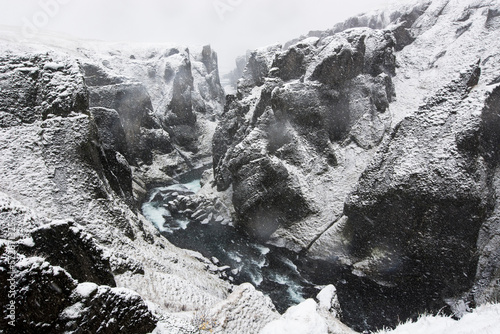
(230, 26)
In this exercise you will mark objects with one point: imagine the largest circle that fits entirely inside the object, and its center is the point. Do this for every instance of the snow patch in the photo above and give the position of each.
(86, 290)
(299, 319)
(326, 296)
(483, 320)
(73, 312)
(28, 242)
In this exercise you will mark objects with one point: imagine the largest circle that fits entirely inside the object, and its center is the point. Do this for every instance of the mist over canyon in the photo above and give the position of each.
(349, 181)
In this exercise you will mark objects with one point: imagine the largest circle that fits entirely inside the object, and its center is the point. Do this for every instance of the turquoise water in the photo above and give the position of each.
(269, 269)
(194, 185)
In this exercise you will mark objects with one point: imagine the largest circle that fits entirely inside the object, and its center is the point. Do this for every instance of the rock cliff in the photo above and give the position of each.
(79, 142)
(372, 147)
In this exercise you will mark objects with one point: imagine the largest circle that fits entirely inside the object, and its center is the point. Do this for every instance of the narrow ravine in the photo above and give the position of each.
(272, 270)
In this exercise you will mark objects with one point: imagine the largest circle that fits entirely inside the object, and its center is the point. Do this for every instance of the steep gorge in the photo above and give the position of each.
(370, 151)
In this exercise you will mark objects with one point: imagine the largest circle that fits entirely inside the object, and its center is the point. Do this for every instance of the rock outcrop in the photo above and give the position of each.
(299, 113)
(70, 230)
(49, 300)
(372, 149)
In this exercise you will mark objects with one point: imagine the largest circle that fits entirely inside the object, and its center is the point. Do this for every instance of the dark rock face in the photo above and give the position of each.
(49, 300)
(415, 216)
(114, 151)
(181, 105)
(110, 129)
(312, 96)
(256, 69)
(66, 245)
(133, 105)
(36, 283)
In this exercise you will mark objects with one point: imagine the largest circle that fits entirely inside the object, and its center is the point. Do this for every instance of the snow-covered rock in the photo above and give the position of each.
(58, 166)
(484, 319)
(306, 319)
(324, 149)
(373, 147)
(246, 310)
(300, 117)
(48, 299)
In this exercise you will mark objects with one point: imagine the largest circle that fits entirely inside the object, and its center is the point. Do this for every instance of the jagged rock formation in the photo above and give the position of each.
(245, 310)
(282, 139)
(164, 98)
(49, 300)
(374, 149)
(482, 319)
(67, 212)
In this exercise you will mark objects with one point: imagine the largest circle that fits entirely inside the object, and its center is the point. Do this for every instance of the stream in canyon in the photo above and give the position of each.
(270, 269)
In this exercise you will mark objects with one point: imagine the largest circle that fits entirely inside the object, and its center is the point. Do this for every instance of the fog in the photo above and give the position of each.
(230, 26)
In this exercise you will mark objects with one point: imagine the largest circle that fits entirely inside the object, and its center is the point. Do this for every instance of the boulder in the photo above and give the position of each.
(65, 305)
(65, 244)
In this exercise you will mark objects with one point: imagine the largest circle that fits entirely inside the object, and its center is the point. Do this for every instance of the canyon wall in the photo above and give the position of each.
(372, 147)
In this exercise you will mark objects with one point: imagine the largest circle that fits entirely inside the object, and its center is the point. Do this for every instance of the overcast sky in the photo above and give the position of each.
(230, 26)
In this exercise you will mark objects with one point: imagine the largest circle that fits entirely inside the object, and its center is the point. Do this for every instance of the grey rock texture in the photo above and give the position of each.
(38, 87)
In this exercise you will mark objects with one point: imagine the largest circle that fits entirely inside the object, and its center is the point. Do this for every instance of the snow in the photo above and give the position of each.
(155, 215)
(299, 319)
(28, 242)
(86, 290)
(483, 320)
(28, 262)
(73, 312)
(325, 297)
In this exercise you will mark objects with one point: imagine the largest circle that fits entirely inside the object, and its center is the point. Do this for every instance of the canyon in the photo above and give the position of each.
(359, 165)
